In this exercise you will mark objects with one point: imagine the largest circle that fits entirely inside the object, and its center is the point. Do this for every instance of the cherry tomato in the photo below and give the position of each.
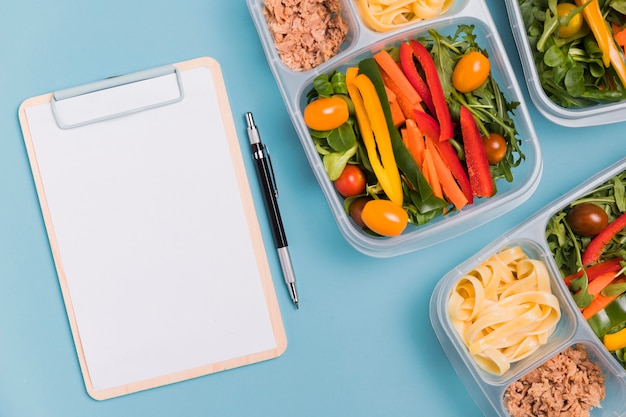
(356, 210)
(495, 146)
(326, 113)
(351, 182)
(470, 72)
(587, 219)
(575, 23)
(384, 217)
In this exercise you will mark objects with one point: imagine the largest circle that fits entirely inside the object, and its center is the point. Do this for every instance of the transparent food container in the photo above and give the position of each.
(487, 389)
(362, 42)
(593, 115)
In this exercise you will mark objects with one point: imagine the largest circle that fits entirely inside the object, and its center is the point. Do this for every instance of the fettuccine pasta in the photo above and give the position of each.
(504, 309)
(385, 15)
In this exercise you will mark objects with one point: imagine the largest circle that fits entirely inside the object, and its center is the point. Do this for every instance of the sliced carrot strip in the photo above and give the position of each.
(600, 282)
(599, 302)
(450, 187)
(435, 183)
(619, 35)
(397, 115)
(407, 104)
(415, 141)
(386, 62)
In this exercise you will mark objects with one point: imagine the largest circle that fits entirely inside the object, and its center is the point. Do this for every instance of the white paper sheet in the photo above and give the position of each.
(152, 235)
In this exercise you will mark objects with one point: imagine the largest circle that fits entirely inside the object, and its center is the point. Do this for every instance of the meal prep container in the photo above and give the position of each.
(594, 115)
(362, 43)
(488, 390)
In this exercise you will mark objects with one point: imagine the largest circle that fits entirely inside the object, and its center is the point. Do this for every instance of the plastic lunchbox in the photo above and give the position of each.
(594, 115)
(487, 389)
(363, 42)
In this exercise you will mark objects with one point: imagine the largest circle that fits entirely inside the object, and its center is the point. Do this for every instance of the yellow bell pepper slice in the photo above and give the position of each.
(375, 133)
(611, 54)
(615, 341)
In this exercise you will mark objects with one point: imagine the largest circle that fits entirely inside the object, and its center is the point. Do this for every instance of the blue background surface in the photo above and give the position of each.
(361, 343)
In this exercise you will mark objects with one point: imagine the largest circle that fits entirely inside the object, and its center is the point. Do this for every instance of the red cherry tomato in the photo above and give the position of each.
(326, 113)
(587, 219)
(470, 72)
(356, 210)
(384, 217)
(351, 182)
(495, 146)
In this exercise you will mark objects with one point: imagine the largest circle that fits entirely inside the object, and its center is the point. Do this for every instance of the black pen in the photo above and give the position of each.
(270, 196)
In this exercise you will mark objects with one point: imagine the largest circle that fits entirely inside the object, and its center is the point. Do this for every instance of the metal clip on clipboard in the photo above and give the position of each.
(70, 111)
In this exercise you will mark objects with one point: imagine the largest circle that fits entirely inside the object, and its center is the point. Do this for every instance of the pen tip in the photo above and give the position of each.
(297, 306)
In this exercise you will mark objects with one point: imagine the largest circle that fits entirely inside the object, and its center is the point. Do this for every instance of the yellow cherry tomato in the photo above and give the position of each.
(326, 113)
(575, 23)
(470, 72)
(384, 217)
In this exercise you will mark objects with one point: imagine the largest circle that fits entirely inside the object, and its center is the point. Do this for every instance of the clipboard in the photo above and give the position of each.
(152, 228)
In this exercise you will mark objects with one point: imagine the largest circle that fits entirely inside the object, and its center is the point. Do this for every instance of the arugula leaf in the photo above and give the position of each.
(579, 291)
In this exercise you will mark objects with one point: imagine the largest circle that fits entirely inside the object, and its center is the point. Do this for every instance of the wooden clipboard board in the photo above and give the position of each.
(152, 228)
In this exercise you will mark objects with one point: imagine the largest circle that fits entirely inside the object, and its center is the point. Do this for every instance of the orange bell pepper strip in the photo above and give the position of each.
(611, 54)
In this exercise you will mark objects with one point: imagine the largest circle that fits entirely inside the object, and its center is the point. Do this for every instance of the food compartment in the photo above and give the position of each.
(416, 235)
(580, 104)
(578, 379)
(301, 39)
(383, 17)
(502, 312)
(587, 227)
(488, 389)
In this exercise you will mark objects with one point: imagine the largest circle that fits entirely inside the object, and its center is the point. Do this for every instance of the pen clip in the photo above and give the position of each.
(273, 177)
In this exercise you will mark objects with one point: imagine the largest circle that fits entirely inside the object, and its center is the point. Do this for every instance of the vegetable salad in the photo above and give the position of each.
(578, 48)
(587, 239)
(422, 125)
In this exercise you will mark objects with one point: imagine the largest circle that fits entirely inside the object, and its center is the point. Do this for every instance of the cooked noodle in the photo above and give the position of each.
(504, 309)
(385, 15)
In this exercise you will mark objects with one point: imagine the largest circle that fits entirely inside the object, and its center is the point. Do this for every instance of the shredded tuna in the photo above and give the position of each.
(306, 33)
(567, 385)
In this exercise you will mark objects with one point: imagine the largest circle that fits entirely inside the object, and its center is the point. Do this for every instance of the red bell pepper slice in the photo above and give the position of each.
(427, 124)
(610, 265)
(436, 90)
(475, 156)
(416, 80)
(594, 249)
